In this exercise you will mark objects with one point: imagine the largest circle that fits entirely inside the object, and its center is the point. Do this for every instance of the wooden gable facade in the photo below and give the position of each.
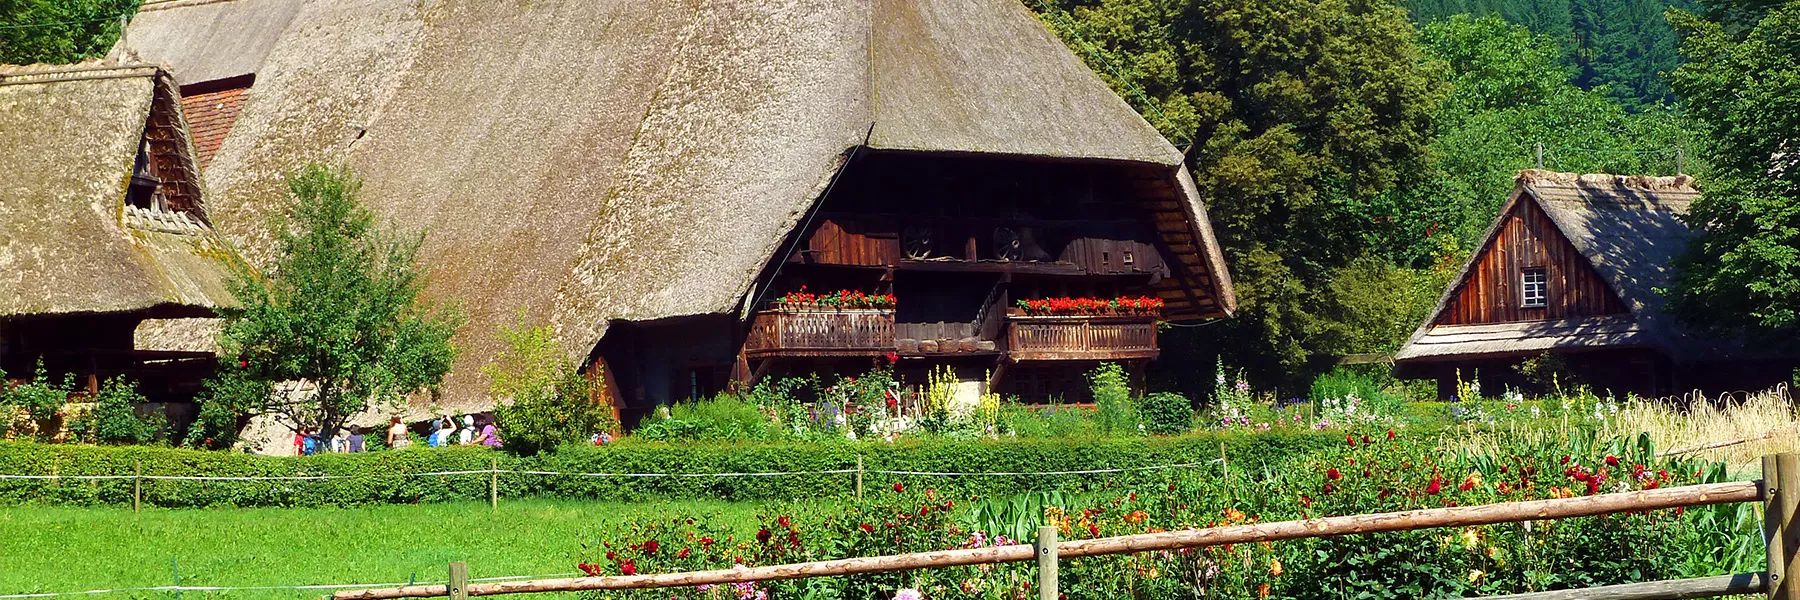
(1525, 238)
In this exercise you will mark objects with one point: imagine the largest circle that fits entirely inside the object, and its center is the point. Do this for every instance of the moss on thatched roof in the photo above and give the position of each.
(586, 161)
(68, 138)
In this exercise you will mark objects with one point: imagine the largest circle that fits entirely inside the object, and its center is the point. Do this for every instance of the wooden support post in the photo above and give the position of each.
(494, 487)
(137, 487)
(859, 477)
(1781, 475)
(459, 581)
(1046, 558)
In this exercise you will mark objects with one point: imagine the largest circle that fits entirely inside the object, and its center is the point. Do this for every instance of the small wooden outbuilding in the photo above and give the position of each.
(1572, 267)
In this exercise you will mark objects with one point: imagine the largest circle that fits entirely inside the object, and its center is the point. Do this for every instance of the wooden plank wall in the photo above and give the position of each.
(845, 243)
(1528, 239)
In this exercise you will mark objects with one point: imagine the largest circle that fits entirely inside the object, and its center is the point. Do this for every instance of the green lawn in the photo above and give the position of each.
(73, 549)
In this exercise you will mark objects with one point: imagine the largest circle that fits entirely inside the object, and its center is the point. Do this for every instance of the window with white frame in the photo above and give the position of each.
(1536, 289)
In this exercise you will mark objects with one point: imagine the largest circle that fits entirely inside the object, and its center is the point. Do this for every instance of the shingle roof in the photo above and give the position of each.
(69, 136)
(1628, 228)
(584, 161)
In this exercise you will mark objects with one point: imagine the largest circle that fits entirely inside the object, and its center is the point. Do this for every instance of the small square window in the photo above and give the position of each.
(1536, 289)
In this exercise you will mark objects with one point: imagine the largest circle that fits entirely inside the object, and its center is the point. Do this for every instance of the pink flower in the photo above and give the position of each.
(908, 594)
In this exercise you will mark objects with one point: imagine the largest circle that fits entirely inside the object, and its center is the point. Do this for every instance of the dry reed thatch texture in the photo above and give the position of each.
(586, 161)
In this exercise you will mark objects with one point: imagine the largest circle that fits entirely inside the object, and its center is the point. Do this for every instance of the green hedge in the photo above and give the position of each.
(385, 474)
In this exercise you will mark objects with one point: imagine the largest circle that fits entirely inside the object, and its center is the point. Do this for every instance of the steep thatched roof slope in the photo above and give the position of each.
(584, 161)
(69, 136)
(985, 76)
(1628, 228)
(209, 40)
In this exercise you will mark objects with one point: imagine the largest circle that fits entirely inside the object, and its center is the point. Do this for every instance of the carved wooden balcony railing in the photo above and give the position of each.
(1081, 337)
(821, 333)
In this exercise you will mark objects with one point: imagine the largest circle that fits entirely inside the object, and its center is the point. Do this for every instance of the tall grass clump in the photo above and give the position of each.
(1766, 420)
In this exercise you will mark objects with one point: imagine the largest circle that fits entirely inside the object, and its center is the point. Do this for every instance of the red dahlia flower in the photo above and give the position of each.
(1350, 439)
(628, 568)
(784, 522)
(762, 535)
(1437, 484)
(1390, 435)
(1333, 474)
(899, 487)
(682, 554)
(651, 546)
(1612, 461)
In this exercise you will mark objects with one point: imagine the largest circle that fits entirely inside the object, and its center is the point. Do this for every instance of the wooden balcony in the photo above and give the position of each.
(1081, 337)
(821, 333)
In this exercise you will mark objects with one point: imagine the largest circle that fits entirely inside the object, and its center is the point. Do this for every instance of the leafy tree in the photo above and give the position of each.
(543, 400)
(114, 418)
(1302, 116)
(1743, 274)
(1617, 47)
(338, 311)
(1511, 93)
(59, 31)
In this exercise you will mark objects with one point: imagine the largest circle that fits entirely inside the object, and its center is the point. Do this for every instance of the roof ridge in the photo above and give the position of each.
(51, 73)
(172, 4)
(1540, 177)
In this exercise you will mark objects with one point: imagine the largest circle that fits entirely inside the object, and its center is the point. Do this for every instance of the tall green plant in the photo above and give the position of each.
(338, 307)
(542, 401)
(41, 399)
(1112, 400)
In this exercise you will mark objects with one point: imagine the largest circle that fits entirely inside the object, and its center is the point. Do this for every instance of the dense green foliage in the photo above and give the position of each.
(383, 477)
(59, 31)
(1618, 48)
(338, 307)
(1166, 413)
(114, 418)
(545, 401)
(37, 401)
(1744, 274)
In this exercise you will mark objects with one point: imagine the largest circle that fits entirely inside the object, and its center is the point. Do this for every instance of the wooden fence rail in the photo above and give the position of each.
(1562, 508)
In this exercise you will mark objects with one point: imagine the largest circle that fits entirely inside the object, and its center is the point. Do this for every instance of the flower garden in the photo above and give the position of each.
(1355, 445)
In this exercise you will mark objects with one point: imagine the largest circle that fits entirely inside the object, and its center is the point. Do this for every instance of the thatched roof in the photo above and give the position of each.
(1627, 227)
(586, 161)
(69, 136)
(209, 40)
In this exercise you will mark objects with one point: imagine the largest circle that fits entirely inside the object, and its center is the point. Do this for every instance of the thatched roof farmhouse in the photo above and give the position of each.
(649, 167)
(102, 223)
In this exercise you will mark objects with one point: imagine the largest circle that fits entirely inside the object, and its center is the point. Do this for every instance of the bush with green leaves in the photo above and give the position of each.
(722, 418)
(1112, 400)
(542, 400)
(114, 418)
(40, 400)
(1166, 413)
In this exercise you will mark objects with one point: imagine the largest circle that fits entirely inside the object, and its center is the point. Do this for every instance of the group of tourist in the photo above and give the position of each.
(444, 432)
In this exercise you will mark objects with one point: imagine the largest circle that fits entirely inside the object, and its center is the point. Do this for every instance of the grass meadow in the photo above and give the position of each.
(58, 549)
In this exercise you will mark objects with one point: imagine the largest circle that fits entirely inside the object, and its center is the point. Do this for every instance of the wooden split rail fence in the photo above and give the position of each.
(1779, 490)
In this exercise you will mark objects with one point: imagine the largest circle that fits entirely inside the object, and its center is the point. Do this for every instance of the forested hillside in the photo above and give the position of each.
(1623, 47)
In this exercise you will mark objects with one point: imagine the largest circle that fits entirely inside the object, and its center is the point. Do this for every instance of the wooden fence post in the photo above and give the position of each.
(1781, 478)
(137, 487)
(459, 581)
(859, 477)
(1046, 558)
(494, 487)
